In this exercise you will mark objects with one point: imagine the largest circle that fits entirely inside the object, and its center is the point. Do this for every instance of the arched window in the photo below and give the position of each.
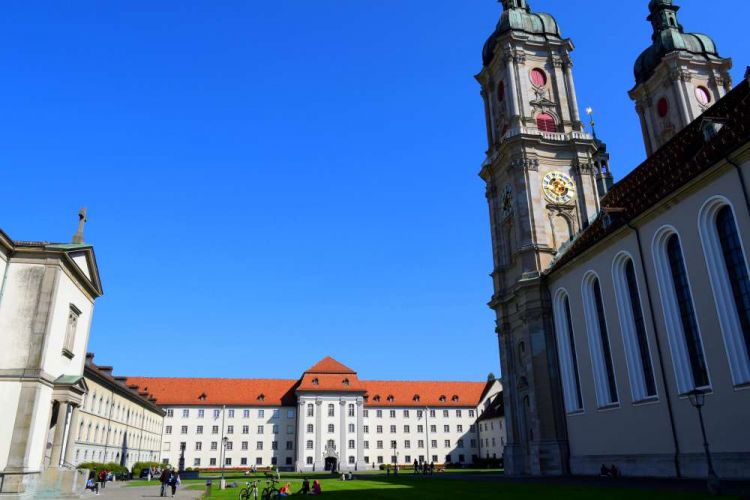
(566, 351)
(679, 313)
(545, 123)
(633, 326)
(599, 347)
(501, 91)
(728, 270)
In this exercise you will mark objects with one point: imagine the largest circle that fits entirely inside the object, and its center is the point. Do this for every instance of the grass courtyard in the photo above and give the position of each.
(444, 487)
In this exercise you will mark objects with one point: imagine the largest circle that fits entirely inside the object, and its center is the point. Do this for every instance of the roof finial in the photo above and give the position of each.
(78, 237)
(590, 112)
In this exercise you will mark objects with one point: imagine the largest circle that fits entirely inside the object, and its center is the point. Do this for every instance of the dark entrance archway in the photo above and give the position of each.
(331, 463)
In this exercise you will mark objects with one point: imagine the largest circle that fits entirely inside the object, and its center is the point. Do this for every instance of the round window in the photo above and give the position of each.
(662, 107)
(703, 95)
(538, 77)
(501, 91)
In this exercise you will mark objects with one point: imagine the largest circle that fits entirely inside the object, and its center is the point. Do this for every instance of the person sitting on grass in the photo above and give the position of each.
(91, 485)
(305, 487)
(316, 490)
(285, 490)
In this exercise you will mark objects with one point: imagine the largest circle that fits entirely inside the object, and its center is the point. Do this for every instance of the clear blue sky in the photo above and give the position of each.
(272, 182)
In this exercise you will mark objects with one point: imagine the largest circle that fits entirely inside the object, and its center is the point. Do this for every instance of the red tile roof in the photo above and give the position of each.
(329, 365)
(327, 376)
(219, 391)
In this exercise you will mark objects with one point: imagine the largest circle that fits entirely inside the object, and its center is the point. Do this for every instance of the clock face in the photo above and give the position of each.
(559, 187)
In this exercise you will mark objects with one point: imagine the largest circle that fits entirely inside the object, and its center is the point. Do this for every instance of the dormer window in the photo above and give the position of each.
(390, 398)
(202, 397)
(376, 398)
(315, 381)
(415, 398)
(346, 382)
(454, 399)
(443, 399)
(261, 397)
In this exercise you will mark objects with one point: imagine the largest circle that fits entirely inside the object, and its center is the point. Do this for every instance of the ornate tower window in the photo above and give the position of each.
(546, 123)
(662, 107)
(703, 95)
(538, 77)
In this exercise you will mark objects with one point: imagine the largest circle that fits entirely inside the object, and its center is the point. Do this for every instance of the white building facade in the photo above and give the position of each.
(326, 420)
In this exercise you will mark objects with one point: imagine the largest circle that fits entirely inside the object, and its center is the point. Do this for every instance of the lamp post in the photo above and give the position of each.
(697, 398)
(222, 482)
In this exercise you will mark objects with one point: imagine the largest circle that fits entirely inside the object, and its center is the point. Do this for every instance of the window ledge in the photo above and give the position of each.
(614, 406)
(68, 353)
(646, 401)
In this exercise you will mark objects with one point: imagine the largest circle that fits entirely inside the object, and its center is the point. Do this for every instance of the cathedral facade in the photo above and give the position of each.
(616, 303)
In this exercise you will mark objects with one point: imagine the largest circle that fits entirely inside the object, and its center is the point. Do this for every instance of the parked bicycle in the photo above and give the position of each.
(250, 491)
(271, 491)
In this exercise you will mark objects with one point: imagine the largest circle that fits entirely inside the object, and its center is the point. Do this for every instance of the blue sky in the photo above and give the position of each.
(272, 182)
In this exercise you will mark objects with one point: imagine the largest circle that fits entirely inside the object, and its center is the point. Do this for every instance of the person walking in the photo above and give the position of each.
(174, 480)
(416, 466)
(163, 480)
(103, 478)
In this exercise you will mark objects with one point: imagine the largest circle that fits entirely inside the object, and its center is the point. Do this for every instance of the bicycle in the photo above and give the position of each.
(270, 492)
(249, 491)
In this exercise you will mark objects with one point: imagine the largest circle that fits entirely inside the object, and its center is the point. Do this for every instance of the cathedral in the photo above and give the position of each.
(621, 308)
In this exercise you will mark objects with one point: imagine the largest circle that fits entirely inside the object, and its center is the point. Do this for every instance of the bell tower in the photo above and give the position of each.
(677, 78)
(543, 176)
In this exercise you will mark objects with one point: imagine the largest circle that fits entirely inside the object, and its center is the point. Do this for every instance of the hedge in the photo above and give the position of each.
(139, 466)
(112, 467)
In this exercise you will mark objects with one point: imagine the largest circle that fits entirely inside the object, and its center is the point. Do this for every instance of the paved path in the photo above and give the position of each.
(121, 492)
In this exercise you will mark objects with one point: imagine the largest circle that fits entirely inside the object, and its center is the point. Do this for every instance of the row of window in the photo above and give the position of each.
(243, 461)
(420, 413)
(310, 445)
(201, 413)
(98, 405)
(106, 435)
(244, 445)
(228, 462)
(113, 456)
(728, 272)
(230, 429)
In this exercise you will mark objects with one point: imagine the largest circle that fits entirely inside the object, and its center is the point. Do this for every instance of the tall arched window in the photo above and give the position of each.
(633, 326)
(566, 351)
(545, 123)
(728, 270)
(599, 347)
(679, 313)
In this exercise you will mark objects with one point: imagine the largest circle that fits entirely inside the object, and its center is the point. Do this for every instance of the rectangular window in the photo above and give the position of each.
(445, 413)
(275, 414)
(407, 444)
(310, 410)
(471, 413)
(446, 428)
(258, 461)
(246, 429)
(433, 443)
(365, 413)
(458, 413)
(351, 410)
(407, 459)
(243, 461)
(420, 429)
(406, 429)
(433, 428)
(168, 429)
(201, 413)
(393, 445)
(228, 461)
(274, 445)
(379, 413)
(290, 414)
(366, 429)
(379, 429)
(215, 429)
(393, 429)
(366, 445)
(459, 428)
(275, 429)
(243, 445)
(185, 413)
(460, 443)
(211, 461)
(331, 410)
(260, 429)
(432, 413)
(230, 429)
(420, 443)
(261, 413)
(245, 413)
(214, 445)
(199, 429)
(473, 443)
(290, 429)
(419, 413)
(198, 446)
(406, 413)
(380, 460)
(379, 445)
(183, 429)
(229, 445)
(259, 445)
(230, 413)
(290, 445)
(217, 413)
(70, 332)
(392, 413)
(196, 462)
(170, 413)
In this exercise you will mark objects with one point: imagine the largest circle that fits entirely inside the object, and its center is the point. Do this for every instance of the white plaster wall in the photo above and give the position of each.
(9, 391)
(54, 362)
(492, 435)
(17, 312)
(39, 427)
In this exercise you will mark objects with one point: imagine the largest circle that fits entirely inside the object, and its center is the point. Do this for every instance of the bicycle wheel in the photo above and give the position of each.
(244, 494)
(266, 494)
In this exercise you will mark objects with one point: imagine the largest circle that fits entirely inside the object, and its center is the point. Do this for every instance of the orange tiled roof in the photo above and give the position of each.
(328, 375)
(420, 394)
(329, 365)
(219, 391)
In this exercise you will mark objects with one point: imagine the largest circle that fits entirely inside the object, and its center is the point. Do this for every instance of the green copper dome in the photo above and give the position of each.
(517, 16)
(669, 36)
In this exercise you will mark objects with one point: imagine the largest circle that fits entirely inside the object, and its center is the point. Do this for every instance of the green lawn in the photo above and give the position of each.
(378, 487)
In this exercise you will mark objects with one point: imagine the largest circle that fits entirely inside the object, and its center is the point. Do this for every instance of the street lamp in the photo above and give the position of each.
(697, 398)
(224, 440)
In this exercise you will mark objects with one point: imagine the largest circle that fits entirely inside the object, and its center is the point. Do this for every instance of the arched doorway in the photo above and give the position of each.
(331, 463)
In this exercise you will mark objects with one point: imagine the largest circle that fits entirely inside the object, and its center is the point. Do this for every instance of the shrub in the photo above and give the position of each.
(114, 468)
(139, 466)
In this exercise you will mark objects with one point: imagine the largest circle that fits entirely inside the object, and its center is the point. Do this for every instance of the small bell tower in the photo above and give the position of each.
(677, 78)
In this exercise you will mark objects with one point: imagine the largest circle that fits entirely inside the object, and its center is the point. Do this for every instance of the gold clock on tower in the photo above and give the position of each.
(559, 187)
